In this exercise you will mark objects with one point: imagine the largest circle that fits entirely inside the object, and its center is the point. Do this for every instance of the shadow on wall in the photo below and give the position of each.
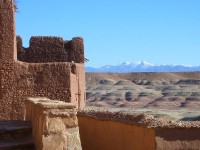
(118, 131)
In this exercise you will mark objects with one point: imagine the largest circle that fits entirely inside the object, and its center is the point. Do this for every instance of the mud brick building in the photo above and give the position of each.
(50, 67)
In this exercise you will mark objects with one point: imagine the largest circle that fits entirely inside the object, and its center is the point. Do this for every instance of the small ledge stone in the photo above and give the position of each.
(46, 103)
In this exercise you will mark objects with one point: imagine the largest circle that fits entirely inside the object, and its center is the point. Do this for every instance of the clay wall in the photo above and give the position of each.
(114, 130)
(7, 47)
(184, 138)
(51, 80)
(44, 49)
(111, 135)
(22, 80)
(76, 52)
(77, 85)
(7, 31)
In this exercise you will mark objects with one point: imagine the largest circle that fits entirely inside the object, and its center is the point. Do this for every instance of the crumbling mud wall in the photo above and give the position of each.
(46, 68)
(51, 49)
(7, 49)
(7, 31)
(24, 80)
(114, 130)
(180, 137)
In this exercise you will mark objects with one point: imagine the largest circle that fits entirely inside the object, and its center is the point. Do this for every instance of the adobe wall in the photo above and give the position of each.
(53, 80)
(50, 67)
(108, 135)
(44, 49)
(178, 138)
(77, 85)
(114, 130)
(24, 80)
(7, 31)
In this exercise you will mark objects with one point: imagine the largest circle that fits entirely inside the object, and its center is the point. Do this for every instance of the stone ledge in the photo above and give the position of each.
(46, 103)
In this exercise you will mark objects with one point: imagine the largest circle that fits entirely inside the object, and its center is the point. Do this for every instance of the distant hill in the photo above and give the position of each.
(143, 66)
(149, 90)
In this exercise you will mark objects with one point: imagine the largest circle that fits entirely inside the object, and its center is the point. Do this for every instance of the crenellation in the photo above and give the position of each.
(44, 49)
(77, 50)
(20, 49)
(67, 45)
(44, 42)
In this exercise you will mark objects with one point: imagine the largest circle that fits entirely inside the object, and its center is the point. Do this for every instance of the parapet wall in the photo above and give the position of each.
(52, 80)
(44, 49)
(21, 80)
(114, 130)
(57, 128)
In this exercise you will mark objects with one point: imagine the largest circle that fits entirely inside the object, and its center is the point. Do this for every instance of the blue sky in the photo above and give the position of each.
(156, 31)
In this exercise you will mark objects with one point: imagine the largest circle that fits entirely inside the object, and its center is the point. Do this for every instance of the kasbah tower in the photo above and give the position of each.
(51, 67)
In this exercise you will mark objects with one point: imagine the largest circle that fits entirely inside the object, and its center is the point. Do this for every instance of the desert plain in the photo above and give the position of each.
(173, 96)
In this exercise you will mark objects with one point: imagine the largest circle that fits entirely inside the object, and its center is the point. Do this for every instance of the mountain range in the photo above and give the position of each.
(143, 66)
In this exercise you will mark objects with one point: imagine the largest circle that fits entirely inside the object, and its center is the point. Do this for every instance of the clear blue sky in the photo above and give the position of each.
(156, 31)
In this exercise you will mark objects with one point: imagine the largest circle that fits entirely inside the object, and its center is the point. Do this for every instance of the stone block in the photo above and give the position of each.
(55, 125)
(73, 141)
(70, 122)
(54, 142)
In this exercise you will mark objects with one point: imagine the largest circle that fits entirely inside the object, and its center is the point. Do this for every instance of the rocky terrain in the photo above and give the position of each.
(159, 92)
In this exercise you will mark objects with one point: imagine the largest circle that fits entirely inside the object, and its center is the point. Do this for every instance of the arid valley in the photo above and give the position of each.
(165, 95)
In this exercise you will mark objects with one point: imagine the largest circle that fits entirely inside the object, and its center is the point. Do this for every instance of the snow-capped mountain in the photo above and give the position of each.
(143, 66)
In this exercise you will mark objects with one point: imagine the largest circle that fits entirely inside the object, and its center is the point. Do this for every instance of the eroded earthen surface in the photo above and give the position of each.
(51, 49)
(167, 90)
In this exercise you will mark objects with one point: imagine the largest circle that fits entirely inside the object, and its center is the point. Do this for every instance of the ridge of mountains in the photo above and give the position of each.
(143, 66)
